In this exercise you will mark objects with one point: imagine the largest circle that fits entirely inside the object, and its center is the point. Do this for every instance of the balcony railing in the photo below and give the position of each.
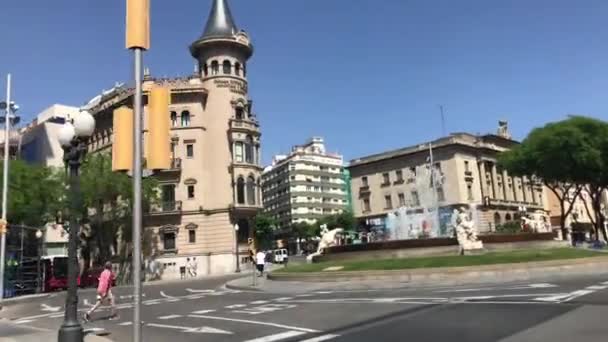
(164, 208)
(244, 124)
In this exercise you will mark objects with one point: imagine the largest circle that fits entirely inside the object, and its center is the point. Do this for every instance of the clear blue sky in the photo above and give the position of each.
(368, 75)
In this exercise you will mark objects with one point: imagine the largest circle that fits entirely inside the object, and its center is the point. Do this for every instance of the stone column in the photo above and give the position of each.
(508, 195)
(482, 179)
(494, 182)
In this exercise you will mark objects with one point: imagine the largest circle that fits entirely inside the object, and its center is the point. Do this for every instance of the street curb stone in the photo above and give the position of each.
(460, 275)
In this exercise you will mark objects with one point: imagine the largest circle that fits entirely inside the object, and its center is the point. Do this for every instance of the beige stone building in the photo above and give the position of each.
(579, 214)
(214, 181)
(305, 185)
(465, 173)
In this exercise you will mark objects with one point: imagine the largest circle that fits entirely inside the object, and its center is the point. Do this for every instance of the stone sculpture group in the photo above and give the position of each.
(465, 231)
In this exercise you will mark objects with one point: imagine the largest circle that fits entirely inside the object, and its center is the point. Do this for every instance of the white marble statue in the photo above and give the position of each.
(465, 231)
(328, 239)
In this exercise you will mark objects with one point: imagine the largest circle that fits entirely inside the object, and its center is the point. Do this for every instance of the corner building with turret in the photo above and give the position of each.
(213, 184)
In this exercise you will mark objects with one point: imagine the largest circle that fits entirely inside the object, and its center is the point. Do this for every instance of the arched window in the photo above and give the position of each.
(508, 218)
(205, 70)
(249, 149)
(239, 113)
(173, 119)
(237, 68)
(185, 118)
(226, 67)
(215, 68)
(251, 190)
(240, 191)
(497, 219)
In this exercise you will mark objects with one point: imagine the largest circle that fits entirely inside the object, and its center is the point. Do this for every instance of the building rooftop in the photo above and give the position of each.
(220, 23)
(489, 141)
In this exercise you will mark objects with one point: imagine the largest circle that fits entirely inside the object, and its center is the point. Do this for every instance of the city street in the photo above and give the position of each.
(205, 310)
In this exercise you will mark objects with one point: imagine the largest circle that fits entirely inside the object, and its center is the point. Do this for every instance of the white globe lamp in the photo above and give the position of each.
(84, 124)
(66, 134)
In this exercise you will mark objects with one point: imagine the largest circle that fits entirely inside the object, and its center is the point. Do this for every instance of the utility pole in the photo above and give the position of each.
(137, 40)
(7, 127)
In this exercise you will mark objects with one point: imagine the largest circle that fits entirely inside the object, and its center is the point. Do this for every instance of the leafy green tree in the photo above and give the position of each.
(107, 198)
(265, 226)
(35, 193)
(566, 156)
(345, 220)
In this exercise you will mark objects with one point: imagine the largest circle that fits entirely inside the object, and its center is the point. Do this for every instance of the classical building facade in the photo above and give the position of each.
(305, 185)
(465, 173)
(214, 181)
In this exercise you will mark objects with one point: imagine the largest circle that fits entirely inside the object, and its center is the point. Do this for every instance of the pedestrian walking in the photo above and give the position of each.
(260, 259)
(104, 292)
(189, 267)
(194, 267)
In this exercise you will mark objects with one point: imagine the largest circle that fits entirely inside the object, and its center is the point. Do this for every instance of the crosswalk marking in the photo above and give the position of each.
(202, 312)
(597, 287)
(169, 317)
(321, 338)
(125, 323)
(254, 322)
(278, 337)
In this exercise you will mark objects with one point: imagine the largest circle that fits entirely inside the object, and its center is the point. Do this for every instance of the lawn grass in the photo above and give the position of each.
(507, 257)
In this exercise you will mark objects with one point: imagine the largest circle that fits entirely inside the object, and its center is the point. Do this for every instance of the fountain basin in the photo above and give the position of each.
(437, 247)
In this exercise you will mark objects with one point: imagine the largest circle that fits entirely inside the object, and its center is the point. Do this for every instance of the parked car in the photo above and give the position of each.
(281, 256)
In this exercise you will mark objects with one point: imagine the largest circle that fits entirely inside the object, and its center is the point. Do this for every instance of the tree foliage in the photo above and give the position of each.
(265, 227)
(35, 193)
(567, 155)
(107, 207)
(345, 220)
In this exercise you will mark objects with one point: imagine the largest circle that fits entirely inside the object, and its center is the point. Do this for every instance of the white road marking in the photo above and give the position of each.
(199, 330)
(282, 299)
(257, 302)
(163, 294)
(57, 315)
(125, 323)
(24, 321)
(169, 317)
(577, 294)
(304, 295)
(46, 307)
(85, 302)
(152, 302)
(254, 322)
(199, 291)
(277, 337)
(324, 292)
(202, 312)
(130, 296)
(235, 306)
(520, 287)
(321, 338)
(605, 283)
(597, 287)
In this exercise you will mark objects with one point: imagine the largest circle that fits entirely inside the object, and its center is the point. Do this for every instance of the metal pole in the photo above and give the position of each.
(236, 239)
(137, 214)
(7, 126)
(39, 277)
(434, 185)
(71, 330)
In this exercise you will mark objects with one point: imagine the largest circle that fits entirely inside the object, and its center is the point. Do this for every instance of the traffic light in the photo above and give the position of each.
(158, 140)
(122, 147)
(138, 24)
(3, 227)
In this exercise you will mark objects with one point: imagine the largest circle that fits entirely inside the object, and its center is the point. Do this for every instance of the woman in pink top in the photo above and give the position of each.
(104, 292)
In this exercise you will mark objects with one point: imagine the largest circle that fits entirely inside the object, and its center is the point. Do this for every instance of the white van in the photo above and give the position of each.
(281, 256)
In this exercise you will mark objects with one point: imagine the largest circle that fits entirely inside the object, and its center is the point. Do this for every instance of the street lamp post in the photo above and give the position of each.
(236, 239)
(9, 107)
(72, 138)
(39, 278)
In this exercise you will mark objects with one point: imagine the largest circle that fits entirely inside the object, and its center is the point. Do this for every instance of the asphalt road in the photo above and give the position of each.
(564, 310)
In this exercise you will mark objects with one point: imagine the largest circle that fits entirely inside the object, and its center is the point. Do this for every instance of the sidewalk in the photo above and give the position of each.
(10, 332)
